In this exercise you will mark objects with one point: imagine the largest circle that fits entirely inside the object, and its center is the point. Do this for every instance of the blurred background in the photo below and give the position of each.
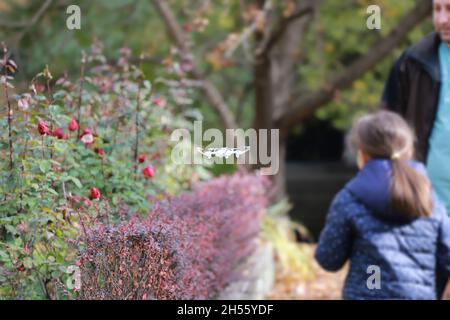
(306, 67)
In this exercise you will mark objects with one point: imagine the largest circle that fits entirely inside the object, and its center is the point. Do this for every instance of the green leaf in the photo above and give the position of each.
(52, 191)
(76, 181)
(44, 166)
(54, 110)
(28, 263)
(11, 229)
(37, 258)
(4, 256)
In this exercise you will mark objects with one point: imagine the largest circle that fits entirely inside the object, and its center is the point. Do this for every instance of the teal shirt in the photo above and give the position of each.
(438, 163)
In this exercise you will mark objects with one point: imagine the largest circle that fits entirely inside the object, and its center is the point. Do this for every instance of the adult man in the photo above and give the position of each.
(418, 88)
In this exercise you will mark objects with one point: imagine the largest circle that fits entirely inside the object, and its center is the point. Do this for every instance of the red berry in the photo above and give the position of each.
(21, 268)
(100, 152)
(95, 193)
(148, 171)
(58, 133)
(43, 128)
(141, 158)
(73, 125)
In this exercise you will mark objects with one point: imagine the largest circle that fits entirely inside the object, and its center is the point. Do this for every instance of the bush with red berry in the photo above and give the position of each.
(76, 152)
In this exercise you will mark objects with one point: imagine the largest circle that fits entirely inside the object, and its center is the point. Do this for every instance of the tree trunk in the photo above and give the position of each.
(262, 77)
(275, 79)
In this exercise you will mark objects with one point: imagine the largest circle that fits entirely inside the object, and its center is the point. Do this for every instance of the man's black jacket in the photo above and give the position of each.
(413, 88)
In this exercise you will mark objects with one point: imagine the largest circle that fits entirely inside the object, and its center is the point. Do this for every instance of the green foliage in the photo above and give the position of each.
(341, 38)
(46, 196)
(338, 35)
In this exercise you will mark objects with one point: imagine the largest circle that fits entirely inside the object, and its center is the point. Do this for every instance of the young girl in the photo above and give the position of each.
(386, 221)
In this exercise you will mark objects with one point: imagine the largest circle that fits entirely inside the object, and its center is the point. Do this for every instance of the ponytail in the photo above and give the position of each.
(386, 135)
(410, 191)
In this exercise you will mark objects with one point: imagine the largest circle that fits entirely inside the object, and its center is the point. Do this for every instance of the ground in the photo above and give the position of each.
(319, 285)
(316, 285)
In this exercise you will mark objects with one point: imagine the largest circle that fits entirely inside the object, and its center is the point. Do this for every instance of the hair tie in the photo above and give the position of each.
(395, 156)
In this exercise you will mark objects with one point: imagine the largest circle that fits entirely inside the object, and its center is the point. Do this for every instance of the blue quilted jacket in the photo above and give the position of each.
(361, 229)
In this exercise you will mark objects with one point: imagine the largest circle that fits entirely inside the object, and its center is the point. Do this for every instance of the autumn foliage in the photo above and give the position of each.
(187, 248)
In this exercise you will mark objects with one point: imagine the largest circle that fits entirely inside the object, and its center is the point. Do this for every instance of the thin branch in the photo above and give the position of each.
(307, 105)
(248, 31)
(136, 119)
(173, 28)
(277, 34)
(5, 86)
(80, 92)
(179, 38)
(29, 22)
(35, 19)
(39, 13)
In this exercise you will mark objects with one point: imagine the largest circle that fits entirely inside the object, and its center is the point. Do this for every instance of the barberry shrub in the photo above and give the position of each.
(189, 247)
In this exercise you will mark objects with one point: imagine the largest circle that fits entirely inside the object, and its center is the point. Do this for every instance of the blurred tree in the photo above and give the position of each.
(296, 58)
(301, 54)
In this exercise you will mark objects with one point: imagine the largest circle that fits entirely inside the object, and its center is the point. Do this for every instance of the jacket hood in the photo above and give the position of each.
(426, 53)
(371, 187)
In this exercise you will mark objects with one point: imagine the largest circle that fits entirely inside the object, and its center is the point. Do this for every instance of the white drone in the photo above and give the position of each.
(222, 152)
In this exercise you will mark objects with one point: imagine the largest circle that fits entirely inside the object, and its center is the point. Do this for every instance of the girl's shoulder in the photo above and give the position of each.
(347, 203)
(343, 197)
